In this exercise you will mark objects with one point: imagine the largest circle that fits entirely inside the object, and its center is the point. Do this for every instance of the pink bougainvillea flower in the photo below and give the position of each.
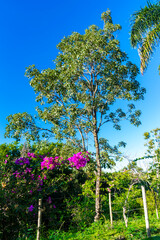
(78, 160)
(54, 206)
(6, 155)
(5, 161)
(28, 170)
(17, 174)
(30, 209)
(49, 163)
(32, 155)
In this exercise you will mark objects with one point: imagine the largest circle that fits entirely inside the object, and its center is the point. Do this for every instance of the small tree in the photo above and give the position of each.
(153, 142)
(153, 148)
(90, 75)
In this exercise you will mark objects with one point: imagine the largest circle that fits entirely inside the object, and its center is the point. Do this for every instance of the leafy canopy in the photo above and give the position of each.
(91, 73)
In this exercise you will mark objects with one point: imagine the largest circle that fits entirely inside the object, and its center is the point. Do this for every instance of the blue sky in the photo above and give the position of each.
(30, 31)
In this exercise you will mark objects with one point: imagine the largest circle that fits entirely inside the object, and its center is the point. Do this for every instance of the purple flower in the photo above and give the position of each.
(32, 176)
(5, 161)
(26, 161)
(30, 209)
(41, 182)
(13, 191)
(21, 161)
(54, 206)
(78, 160)
(28, 170)
(32, 155)
(49, 200)
(49, 163)
(17, 174)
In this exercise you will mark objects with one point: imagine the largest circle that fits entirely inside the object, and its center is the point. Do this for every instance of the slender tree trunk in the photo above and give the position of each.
(156, 205)
(110, 209)
(98, 178)
(157, 175)
(125, 204)
(124, 216)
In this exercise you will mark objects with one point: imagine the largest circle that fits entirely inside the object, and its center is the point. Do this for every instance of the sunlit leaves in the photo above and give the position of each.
(21, 124)
(91, 73)
(145, 32)
(153, 141)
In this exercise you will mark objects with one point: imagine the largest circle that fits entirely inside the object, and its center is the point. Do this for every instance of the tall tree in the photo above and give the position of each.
(145, 32)
(90, 75)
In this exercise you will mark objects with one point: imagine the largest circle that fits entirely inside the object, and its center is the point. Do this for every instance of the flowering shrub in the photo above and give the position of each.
(34, 177)
(26, 179)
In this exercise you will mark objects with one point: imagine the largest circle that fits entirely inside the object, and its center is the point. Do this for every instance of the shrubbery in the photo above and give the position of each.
(26, 179)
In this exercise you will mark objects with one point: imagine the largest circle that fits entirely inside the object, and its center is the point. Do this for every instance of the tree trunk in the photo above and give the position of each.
(125, 204)
(110, 209)
(157, 173)
(156, 205)
(124, 216)
(98, 178)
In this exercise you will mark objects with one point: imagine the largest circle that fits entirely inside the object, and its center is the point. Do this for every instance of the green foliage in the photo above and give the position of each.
(61, 185)
(91, 74)
(102, 230)
(145, 32)
(153, 148)
(73, 193)
(153, 141)
(108, 154)
(12, 149)
(22, 124)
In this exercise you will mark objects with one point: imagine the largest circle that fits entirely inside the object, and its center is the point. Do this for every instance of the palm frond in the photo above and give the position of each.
(142, 21)
(149, 43)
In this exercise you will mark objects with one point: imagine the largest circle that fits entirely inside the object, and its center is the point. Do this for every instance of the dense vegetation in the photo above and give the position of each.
(91, 75)
(80, 95)
(68, 196)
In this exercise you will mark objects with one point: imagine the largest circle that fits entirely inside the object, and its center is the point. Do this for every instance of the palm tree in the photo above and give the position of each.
(145, 32)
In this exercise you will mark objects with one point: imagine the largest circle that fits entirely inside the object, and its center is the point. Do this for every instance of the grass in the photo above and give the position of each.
(103, 231)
